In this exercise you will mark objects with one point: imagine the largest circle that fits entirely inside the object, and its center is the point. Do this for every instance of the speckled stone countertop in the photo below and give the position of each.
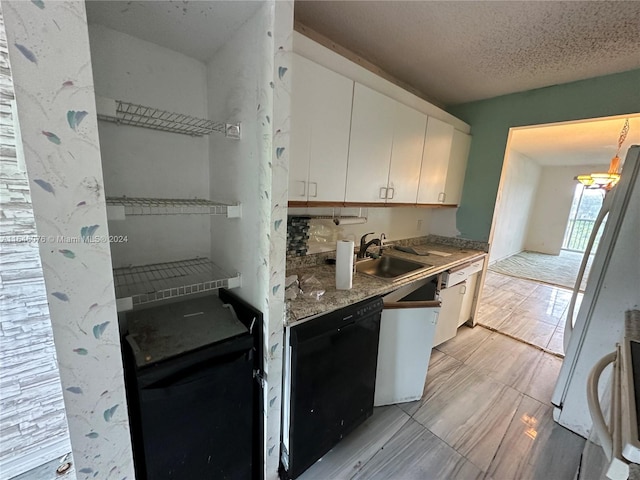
(365, 286)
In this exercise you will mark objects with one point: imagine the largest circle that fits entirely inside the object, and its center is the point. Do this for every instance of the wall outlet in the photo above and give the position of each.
(419, 226)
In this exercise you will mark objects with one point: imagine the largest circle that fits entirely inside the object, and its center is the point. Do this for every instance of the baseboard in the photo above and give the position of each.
(493, 262)
(42, 453)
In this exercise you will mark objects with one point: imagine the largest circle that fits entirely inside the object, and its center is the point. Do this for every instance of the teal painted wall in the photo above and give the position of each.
(491, 119)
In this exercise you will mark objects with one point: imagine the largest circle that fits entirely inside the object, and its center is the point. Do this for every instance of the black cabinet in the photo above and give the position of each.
(195, 401)
(329, 382)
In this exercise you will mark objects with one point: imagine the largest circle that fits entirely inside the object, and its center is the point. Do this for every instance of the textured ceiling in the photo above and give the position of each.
(576, 143)
(450, 51)
(459, 51)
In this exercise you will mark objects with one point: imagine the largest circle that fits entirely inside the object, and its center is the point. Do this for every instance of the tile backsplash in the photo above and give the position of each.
(297, 235)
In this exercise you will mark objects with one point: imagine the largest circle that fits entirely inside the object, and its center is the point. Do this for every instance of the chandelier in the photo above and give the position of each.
(609, 179)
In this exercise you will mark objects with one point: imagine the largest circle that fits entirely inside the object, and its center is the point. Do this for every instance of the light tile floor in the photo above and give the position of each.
(529, 311)
(485, 414)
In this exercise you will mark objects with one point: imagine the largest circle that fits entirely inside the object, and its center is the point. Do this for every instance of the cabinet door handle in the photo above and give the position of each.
(393, 191)
(315, 190)
(383, 192)
(441, 196)
(304, 188)
(463, 289)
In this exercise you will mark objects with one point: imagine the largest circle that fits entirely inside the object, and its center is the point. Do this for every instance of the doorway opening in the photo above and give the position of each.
(541, 225)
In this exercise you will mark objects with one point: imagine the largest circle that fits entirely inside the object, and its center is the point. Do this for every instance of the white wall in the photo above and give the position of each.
(249, 83)
(51, 67)
(34, 425)
(139, 162)
(552, 205)
(514, 205)
(236, 83)
(443, 222)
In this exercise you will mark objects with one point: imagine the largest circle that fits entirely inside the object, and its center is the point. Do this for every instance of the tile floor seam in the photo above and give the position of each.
(558, 295)
(472, 351)
(385, 444)
(537, 347)
(453, 371)
(554, 332)
(504, 435)
(539, 401)
(497, 380)
(539, 319)
(452, 447)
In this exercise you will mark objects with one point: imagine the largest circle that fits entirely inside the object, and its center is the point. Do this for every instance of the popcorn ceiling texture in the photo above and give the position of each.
(456, 52)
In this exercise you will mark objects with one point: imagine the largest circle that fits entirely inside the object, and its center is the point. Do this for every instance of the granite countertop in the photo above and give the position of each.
(365, 286)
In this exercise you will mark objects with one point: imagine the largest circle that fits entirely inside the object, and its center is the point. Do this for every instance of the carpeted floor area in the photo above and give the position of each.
(558, 270)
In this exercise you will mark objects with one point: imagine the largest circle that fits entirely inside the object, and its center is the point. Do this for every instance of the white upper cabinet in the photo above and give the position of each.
(320, 120)
(372, 125)
(406, 154)
(435, 161)
(457, 167)
(385, 152)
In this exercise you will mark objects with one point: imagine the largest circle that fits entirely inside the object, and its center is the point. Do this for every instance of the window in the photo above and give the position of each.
(584, 210)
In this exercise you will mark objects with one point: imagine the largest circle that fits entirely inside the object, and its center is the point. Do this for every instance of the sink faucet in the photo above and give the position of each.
(364, 245)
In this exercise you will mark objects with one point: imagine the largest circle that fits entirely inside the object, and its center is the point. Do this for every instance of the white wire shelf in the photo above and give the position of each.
(118, 208)
(143, 284)
(127, 113)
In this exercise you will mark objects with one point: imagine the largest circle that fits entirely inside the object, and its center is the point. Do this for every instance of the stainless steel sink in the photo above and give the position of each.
(390, 268)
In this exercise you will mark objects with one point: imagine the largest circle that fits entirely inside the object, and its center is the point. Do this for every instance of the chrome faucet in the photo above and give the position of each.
(364, 245)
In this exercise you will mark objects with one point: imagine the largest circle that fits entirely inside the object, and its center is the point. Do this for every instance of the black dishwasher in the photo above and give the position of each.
(329, 382)
(194, 404)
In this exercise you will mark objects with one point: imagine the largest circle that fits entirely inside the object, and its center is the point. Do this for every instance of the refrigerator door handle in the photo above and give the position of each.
(599, 423)
(568, 327)
(610, 436)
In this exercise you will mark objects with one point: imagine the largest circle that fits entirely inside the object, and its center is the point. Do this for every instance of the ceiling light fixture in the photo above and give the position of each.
(609, 179)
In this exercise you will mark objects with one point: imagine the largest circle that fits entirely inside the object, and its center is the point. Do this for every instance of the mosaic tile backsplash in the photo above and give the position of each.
(297, 236)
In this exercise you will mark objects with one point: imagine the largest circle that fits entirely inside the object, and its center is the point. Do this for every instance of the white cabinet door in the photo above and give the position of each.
(460, 145)
(302, 101)
(435, 160)
(451, 299)
(406, 154)
(406, 338)
(320, 122)
(467, 299)
(372, 122)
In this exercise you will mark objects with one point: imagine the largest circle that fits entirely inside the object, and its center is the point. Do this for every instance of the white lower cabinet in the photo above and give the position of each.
(407, 328)
(457, 296)
(451, 299)
(467, 299)
(406, 337)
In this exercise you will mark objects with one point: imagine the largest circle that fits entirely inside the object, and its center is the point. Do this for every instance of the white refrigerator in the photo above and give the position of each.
(613, 287)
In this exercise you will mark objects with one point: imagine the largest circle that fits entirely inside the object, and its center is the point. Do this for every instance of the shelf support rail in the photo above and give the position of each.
(126, 113)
